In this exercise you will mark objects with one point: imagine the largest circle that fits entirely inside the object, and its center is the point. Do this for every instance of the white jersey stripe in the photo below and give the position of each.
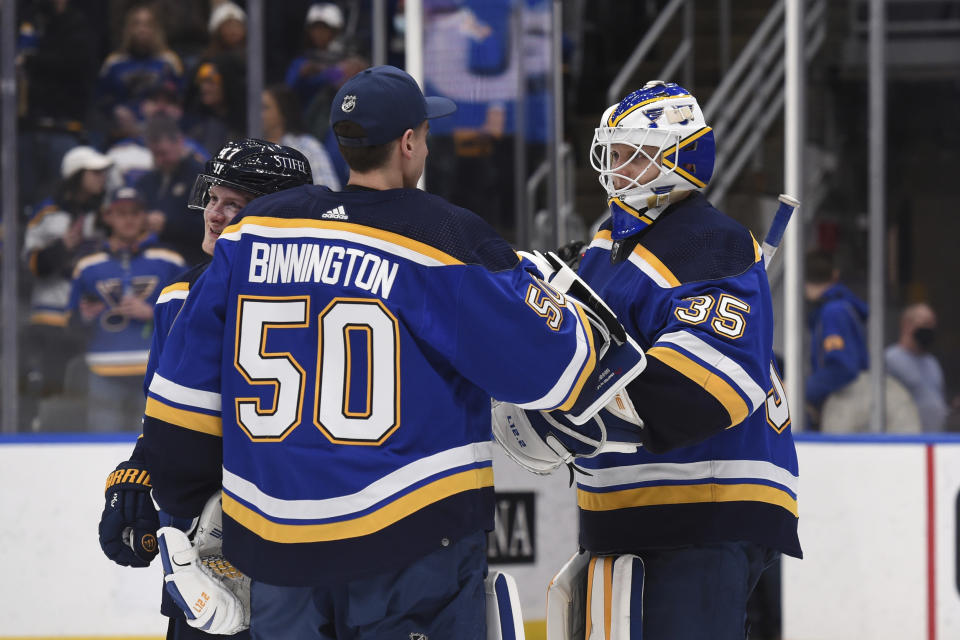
(705, 470)
(117, 357)
(720, 362)
(637, 261)
(331, 234)
(367, 497)
(177, 294)
(184, 395)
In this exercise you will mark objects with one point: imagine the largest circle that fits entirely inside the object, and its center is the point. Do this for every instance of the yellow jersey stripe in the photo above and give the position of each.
(587, 368)
(636, 214)
(51, 318)
(686, 494)
(202, 422)
(712, 383)
(644, 254)
(176, 286)
(164, 254)
(109, 370)
(365, 524)
(757, 251)
(387, 236)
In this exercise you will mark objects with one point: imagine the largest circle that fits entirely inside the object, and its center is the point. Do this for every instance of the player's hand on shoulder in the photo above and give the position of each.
(128, 524)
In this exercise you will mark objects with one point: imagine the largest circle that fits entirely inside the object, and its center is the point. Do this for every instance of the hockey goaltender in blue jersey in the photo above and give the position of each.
(718, 461)
(343, 351)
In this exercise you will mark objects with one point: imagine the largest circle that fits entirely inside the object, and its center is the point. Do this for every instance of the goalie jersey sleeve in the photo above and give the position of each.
(718, 461)
(333, 369)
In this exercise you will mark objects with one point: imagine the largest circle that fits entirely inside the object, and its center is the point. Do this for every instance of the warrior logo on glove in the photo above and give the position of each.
(128, 525)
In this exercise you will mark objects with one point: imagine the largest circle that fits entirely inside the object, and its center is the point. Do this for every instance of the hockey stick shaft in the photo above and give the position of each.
(780, 220)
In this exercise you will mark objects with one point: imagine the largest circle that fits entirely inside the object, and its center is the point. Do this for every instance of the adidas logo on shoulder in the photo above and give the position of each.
(337, 213)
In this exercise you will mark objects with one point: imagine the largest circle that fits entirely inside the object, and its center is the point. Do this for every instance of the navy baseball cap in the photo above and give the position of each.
(385, 101)
(127, 193)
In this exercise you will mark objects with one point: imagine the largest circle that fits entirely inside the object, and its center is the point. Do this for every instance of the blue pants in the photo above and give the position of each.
(439, 596)
(701, 593)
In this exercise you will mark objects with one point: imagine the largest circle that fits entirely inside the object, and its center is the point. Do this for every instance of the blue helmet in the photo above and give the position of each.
(651, 148)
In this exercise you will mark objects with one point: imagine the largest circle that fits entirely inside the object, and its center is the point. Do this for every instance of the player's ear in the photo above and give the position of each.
(406, 143)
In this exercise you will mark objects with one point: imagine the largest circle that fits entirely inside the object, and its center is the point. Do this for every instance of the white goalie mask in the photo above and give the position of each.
(651, 148)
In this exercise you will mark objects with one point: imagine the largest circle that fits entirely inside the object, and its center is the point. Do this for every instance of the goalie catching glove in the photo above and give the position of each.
(128, 524)
(213, 595)
(540, 441)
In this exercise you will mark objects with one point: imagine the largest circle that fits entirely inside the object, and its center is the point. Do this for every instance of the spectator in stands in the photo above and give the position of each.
(837, 326)
(911, 362)
(55, 236)
(166, 188)
(216, 102)
(283, 124)
(318, 66)
(129, 152)
(113, 293)
(228, 31)
(142, 61)
(184, 24)
(838, 390)
(56, 67)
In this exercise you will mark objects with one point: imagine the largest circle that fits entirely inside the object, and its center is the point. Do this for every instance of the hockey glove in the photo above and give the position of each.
(540, 441)
(213, 594)
(128, 524)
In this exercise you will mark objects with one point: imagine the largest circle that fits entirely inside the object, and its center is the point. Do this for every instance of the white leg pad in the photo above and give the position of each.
(504, 617)
(567, 600)
(614, 597)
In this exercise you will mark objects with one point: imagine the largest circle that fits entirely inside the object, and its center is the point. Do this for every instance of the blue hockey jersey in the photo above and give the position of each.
(119, 344)
(718, 461)
(340, 352)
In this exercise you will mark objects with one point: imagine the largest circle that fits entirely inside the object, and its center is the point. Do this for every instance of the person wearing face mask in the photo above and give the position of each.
(911, 362)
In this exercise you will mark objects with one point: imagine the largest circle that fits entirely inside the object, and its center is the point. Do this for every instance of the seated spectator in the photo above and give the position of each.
(317, 74)
(113, 293)
(228, 32)
(318, 66)
(283, 124)
(128, 150)
(142, 62)
(166, 188)
(216, 104)
(911, 362)
(57, 67)
(59, 230)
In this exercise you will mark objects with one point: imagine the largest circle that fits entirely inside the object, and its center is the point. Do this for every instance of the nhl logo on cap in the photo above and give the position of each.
(349, 102)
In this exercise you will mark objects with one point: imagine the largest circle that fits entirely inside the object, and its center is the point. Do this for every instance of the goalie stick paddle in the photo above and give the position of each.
(775, 233)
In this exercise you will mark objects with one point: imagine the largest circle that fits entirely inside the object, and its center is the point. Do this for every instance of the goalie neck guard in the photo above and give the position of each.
(651, 149)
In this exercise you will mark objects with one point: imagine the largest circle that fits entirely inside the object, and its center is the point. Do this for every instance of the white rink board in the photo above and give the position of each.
(59, 583)
(56, 579)
(864, 531)
(863, 509)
